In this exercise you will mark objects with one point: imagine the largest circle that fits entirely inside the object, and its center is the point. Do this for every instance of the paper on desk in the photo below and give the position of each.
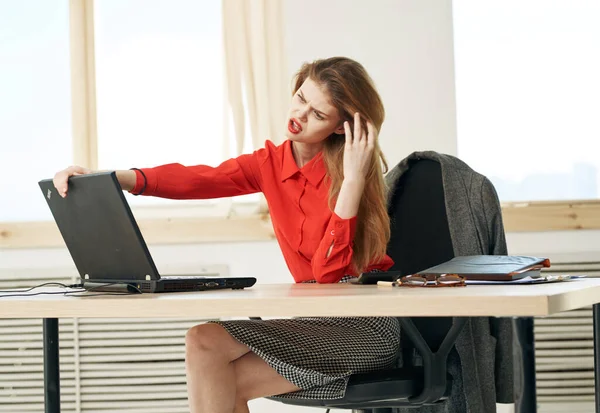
(527, 280)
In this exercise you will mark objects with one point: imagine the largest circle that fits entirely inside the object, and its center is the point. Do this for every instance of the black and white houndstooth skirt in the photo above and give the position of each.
(318, 354)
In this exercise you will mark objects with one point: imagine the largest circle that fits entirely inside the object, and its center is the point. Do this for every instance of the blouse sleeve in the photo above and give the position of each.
(339, 236)
(237, 176)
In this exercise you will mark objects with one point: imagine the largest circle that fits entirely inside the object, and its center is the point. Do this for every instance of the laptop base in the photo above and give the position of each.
(167, 285)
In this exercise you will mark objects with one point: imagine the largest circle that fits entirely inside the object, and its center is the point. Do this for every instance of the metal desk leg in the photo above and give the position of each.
(524, 365)
(596, 312)
(51, 366)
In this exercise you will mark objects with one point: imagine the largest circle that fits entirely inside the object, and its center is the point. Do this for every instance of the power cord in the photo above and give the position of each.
(34, 294)
(81, 292)
(43, 285)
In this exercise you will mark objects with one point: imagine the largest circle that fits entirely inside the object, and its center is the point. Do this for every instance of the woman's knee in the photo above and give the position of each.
(213, 342)
(205, 338)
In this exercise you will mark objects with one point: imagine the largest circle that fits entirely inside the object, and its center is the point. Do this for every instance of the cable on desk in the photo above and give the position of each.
(81, 292)
(33, 294)
(42, 285)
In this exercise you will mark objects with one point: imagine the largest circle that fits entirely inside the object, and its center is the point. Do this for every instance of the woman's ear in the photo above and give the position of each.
(340, 130)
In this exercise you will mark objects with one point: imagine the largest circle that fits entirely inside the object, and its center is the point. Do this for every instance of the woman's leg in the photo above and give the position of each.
(255, 379)
(222, 373)
(209, 351)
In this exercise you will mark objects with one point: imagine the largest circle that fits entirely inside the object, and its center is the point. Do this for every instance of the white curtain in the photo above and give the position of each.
(257, 87)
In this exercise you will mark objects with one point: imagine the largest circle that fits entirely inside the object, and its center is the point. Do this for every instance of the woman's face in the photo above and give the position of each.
(312, 117)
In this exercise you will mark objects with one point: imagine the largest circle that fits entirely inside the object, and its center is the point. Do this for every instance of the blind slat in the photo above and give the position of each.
(564, 353)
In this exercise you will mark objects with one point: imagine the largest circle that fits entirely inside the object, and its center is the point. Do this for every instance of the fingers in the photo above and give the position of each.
(61, 179)
(366, 137)
(348, 133)
(60, 183)
(372, 135)
(357, 128)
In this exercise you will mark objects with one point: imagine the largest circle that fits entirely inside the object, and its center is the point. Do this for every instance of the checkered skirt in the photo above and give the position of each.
(318, 354)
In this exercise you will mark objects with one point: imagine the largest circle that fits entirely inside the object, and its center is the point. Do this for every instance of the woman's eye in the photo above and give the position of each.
(301, 99)
(318, 116)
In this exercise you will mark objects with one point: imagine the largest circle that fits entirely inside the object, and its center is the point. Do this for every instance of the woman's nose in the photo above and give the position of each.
(303, 111)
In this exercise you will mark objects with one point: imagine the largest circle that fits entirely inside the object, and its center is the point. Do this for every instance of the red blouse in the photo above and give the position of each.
(304, 224)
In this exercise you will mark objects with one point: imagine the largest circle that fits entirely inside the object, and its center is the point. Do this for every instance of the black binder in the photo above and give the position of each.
(490, 267)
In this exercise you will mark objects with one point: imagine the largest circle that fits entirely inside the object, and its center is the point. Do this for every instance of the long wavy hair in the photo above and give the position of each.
(352, 90)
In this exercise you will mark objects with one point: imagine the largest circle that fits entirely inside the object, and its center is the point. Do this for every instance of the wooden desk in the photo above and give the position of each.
(318, 300)
(282, 300)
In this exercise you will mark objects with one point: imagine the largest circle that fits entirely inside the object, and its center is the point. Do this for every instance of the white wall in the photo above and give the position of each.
(405, 45)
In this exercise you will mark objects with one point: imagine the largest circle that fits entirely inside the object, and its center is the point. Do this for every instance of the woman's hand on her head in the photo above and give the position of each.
(357, 160)
(61, 178)
(358, 150)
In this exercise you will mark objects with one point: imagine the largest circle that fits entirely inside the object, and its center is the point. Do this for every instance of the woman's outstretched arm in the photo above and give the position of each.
(236, 176)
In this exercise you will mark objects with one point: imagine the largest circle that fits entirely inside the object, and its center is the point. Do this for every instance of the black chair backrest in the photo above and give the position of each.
(420, 236)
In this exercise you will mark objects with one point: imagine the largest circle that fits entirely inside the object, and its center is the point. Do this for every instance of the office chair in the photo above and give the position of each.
(420, 238)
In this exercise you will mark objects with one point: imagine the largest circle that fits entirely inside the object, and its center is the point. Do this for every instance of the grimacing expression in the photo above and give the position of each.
(312, 117)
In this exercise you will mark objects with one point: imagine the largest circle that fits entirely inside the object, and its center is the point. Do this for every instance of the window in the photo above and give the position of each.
(528, 87)
(159, 82)
(35, 103)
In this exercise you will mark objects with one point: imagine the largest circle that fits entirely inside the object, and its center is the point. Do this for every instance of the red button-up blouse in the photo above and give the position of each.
(304, 224)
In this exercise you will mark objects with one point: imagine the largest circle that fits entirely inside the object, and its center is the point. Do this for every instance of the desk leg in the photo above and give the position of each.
(51, 366)
(596, 312)
(524, 365)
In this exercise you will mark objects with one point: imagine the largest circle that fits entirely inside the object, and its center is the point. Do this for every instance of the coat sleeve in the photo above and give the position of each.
(501, 328)
(493, 216)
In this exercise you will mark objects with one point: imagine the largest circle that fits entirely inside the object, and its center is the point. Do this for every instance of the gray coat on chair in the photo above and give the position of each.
(483, 372)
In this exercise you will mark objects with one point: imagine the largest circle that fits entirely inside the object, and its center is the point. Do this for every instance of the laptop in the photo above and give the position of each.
(106, 244)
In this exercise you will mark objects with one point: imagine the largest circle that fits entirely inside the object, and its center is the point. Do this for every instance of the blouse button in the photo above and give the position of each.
(332, 233)
(339, 225)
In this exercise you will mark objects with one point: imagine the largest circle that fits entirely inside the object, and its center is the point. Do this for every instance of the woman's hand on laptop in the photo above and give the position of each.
(61, 179)
(126, 178)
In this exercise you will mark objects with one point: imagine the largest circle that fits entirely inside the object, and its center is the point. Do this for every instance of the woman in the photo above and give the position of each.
(326, 195)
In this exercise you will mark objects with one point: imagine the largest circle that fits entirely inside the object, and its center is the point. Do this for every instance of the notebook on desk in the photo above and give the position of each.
(542, 279)
(491, 267)
(106, 244)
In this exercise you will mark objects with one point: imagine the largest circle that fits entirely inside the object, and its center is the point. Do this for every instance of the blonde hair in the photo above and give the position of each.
(352, 90)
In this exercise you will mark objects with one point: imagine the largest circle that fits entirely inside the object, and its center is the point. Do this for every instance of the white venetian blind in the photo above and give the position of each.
(128, 365)
(564, 352)
(21, 348)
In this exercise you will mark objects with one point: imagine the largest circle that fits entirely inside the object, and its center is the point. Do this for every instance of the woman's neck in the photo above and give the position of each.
(304, 152)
